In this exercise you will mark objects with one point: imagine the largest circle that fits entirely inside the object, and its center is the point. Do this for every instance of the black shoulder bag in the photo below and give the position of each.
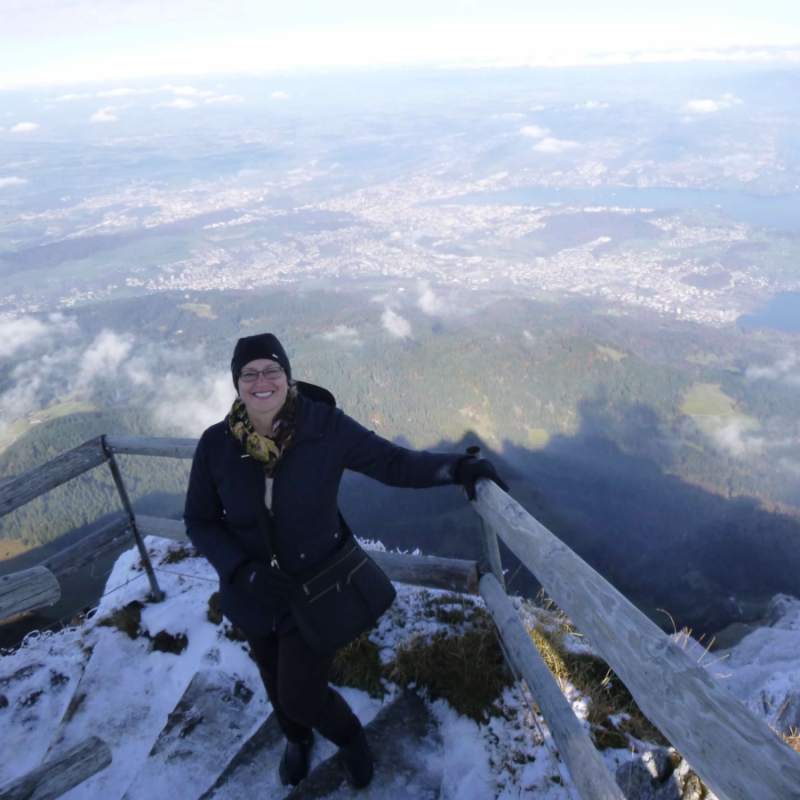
(339, 599)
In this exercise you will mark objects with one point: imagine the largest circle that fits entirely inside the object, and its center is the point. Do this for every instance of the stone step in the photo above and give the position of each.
(408, 751)
(253, 771)
(207, 727)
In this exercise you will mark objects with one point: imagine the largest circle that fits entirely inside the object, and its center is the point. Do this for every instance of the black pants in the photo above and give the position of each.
(296, 680)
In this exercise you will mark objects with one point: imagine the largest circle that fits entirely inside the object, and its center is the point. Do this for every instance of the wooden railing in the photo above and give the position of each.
(731, 749)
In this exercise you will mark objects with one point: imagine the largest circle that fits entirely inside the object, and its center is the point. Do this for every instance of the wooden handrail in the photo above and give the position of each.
(39, 481)
(55, 778)
(85, 551)
(151, 446)
(27, 590)
(585, 766)
(451, 574)
(727, 745)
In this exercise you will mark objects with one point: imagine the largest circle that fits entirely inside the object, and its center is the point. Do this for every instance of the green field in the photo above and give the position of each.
(202, 310)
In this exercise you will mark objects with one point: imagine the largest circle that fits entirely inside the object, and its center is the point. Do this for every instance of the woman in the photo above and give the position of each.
(297, 441)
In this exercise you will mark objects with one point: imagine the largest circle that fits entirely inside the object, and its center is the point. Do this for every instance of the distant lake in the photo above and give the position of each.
(782, 211)
(781, 313)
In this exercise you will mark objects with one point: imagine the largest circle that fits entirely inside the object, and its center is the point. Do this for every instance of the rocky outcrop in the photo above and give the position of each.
(661, 775)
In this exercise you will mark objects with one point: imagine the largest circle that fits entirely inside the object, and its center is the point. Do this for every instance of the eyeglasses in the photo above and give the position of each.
(251, 375)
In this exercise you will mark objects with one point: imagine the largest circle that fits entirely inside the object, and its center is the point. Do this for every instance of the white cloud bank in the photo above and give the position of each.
(552, 145)
(534, 131)
(280, 96)
(712, 106)
(25, 127)
(430, 303)
(15, 334)
(65, 98)
(181, 103)
(344, 335)
(397, 326)
(228, 99)
(12, 181)
(590, 105)
(106, 114)
(782, 370)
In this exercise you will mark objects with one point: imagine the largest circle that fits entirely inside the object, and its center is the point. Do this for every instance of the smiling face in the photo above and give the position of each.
(263, 398)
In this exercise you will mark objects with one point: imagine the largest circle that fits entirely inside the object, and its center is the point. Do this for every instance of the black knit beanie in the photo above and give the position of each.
(262, 345)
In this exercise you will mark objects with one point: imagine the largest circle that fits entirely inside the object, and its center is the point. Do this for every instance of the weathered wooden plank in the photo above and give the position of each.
(731, 749)
(89, 548)
(451, 574)
(151, 446)
(27, 590)
(58, 470)
(590, 775)
(489, 543)
(159, 526)
(55, 778)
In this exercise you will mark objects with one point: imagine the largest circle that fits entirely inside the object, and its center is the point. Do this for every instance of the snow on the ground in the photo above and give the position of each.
(764, 668)
(130, 690)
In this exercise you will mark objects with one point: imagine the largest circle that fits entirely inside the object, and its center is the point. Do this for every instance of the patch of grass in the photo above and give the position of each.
(608, 695)
(792, 739)
(169, 643)
(214, 612)
(178, 554)
(214, 616)
(707, 399)
(127, 619)
(468, 671)
(538, 438)
(202, 310)
(614, 355)
(359, 665)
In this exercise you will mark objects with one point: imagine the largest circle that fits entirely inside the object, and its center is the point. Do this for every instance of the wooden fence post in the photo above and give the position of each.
(491, 548)
(590, 775)
(158, 594)
(27, 590)
(55, 778)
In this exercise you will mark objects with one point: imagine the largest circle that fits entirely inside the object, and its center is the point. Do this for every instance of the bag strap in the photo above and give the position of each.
(261, 510)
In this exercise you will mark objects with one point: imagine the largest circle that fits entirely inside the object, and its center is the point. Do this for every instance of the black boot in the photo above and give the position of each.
(357, 762)
(294, 764)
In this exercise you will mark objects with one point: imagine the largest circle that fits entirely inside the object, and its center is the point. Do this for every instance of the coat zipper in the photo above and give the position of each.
(355, 569)
(320, 574)
(337, 586)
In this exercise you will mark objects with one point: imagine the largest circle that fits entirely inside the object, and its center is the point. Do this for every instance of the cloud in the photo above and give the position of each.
(104, 356)
(712, 106)
(202, 402)
(781, 370)
(534, 131)
(397, 326)
(343, 334)
(12, 181)
(280, 96)
(67, 97)
(736, 438)
(590, 105)
(124, 91)
(551, 145)
(105, 115)
(225, 98)
(179, 102)
(430, 303)
(24, 127)
(16, 333)
(187, 91)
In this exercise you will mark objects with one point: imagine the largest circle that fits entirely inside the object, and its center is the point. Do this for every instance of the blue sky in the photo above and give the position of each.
(70, 41)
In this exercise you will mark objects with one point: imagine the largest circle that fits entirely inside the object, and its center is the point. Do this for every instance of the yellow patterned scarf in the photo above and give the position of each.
(267, 449)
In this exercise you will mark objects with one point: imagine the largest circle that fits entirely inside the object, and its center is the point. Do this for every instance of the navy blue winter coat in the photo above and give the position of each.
(220, 512)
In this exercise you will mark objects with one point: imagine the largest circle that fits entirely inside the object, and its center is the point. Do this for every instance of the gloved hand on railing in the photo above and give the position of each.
(263, 581)
(471, 469)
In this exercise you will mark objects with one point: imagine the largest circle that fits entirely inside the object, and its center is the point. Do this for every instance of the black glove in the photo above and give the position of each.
(263, 581)
(470, 469)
